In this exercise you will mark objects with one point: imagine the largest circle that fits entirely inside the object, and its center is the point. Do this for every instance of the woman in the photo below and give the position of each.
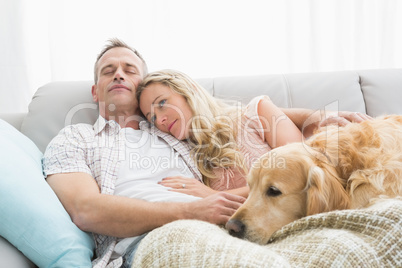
(225, 139)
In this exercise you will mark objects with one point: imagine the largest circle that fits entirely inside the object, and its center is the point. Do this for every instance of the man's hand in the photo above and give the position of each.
(216, 208)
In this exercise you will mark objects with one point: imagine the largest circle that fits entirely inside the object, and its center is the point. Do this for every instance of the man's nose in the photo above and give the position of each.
(119, 75)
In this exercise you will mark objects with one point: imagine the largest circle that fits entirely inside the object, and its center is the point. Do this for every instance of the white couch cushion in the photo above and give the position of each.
(382, 91)
(56, 105)
(338, 90)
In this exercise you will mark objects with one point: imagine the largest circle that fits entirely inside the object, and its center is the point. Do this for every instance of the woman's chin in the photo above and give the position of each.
(180, 136)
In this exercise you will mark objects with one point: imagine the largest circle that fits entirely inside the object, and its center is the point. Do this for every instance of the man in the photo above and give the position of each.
(86, 166)
(85, 183)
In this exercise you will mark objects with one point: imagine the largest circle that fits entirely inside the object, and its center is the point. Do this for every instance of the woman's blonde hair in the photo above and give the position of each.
(214, 126)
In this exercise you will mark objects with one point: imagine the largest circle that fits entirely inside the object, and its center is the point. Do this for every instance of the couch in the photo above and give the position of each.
(374, 92)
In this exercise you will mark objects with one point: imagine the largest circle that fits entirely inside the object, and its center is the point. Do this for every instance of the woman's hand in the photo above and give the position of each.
(308, 121)
(187, 186)
(342, 118)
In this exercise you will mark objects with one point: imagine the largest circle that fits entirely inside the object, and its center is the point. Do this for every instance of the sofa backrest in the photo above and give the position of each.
(375, 92)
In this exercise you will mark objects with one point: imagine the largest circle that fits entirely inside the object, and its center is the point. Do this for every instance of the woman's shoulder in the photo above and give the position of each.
(251, 110)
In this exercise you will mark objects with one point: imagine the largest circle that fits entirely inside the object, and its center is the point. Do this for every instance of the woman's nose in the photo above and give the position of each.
(161, 119)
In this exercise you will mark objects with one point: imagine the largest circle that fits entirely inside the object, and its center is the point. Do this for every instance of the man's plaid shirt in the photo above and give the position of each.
(98, 150)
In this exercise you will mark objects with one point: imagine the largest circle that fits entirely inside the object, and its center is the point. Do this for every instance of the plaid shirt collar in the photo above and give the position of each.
(101, 124)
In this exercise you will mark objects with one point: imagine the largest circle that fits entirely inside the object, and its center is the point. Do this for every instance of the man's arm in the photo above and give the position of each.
(120, 216)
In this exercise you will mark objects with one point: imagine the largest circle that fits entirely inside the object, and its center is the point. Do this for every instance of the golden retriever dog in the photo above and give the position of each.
(338, 168)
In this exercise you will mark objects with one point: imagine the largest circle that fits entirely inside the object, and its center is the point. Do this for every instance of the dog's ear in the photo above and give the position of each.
(324, 191)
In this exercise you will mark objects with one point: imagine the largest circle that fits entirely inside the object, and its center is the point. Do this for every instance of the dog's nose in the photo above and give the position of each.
(236, 228)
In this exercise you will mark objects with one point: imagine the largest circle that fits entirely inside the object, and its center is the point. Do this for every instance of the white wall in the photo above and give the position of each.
(45, 40)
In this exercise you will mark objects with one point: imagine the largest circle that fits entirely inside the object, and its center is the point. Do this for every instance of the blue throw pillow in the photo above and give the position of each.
(32, 217)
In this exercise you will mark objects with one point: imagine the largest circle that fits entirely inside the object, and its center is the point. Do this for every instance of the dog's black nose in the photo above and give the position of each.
(236, 228)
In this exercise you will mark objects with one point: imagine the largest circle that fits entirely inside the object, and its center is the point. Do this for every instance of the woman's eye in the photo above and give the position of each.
(273, 191)
(162, 103)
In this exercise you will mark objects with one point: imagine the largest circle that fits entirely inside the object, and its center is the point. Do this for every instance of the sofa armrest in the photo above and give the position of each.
(12, 257)
(15, 119)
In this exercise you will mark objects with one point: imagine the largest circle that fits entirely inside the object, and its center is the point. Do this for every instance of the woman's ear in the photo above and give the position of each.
(325, 191)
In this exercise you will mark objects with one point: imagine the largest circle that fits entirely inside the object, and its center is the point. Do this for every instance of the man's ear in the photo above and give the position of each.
(95, 93)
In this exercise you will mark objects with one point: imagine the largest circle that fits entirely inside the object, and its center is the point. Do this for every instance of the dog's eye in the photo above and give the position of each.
(273, 191)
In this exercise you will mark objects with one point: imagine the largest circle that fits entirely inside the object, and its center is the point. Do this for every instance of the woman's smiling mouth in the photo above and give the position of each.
(171, 125)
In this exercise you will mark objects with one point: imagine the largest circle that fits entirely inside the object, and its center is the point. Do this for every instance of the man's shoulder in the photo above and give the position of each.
(78, 128)
(71, 138)
(74, 134)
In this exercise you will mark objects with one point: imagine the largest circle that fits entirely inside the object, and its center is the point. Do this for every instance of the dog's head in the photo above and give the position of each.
(286, 184)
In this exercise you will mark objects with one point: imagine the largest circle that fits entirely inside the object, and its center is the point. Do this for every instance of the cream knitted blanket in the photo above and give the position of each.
(370, 237)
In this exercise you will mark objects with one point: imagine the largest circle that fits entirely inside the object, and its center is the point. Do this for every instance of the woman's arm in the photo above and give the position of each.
(279, 129)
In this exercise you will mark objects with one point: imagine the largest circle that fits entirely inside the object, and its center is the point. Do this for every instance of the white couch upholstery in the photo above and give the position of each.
(57, 104)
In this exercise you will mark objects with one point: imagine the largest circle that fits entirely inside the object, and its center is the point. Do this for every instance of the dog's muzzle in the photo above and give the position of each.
(236, 228)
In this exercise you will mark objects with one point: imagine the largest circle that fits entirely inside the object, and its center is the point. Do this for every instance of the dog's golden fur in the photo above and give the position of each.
(338, 168)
